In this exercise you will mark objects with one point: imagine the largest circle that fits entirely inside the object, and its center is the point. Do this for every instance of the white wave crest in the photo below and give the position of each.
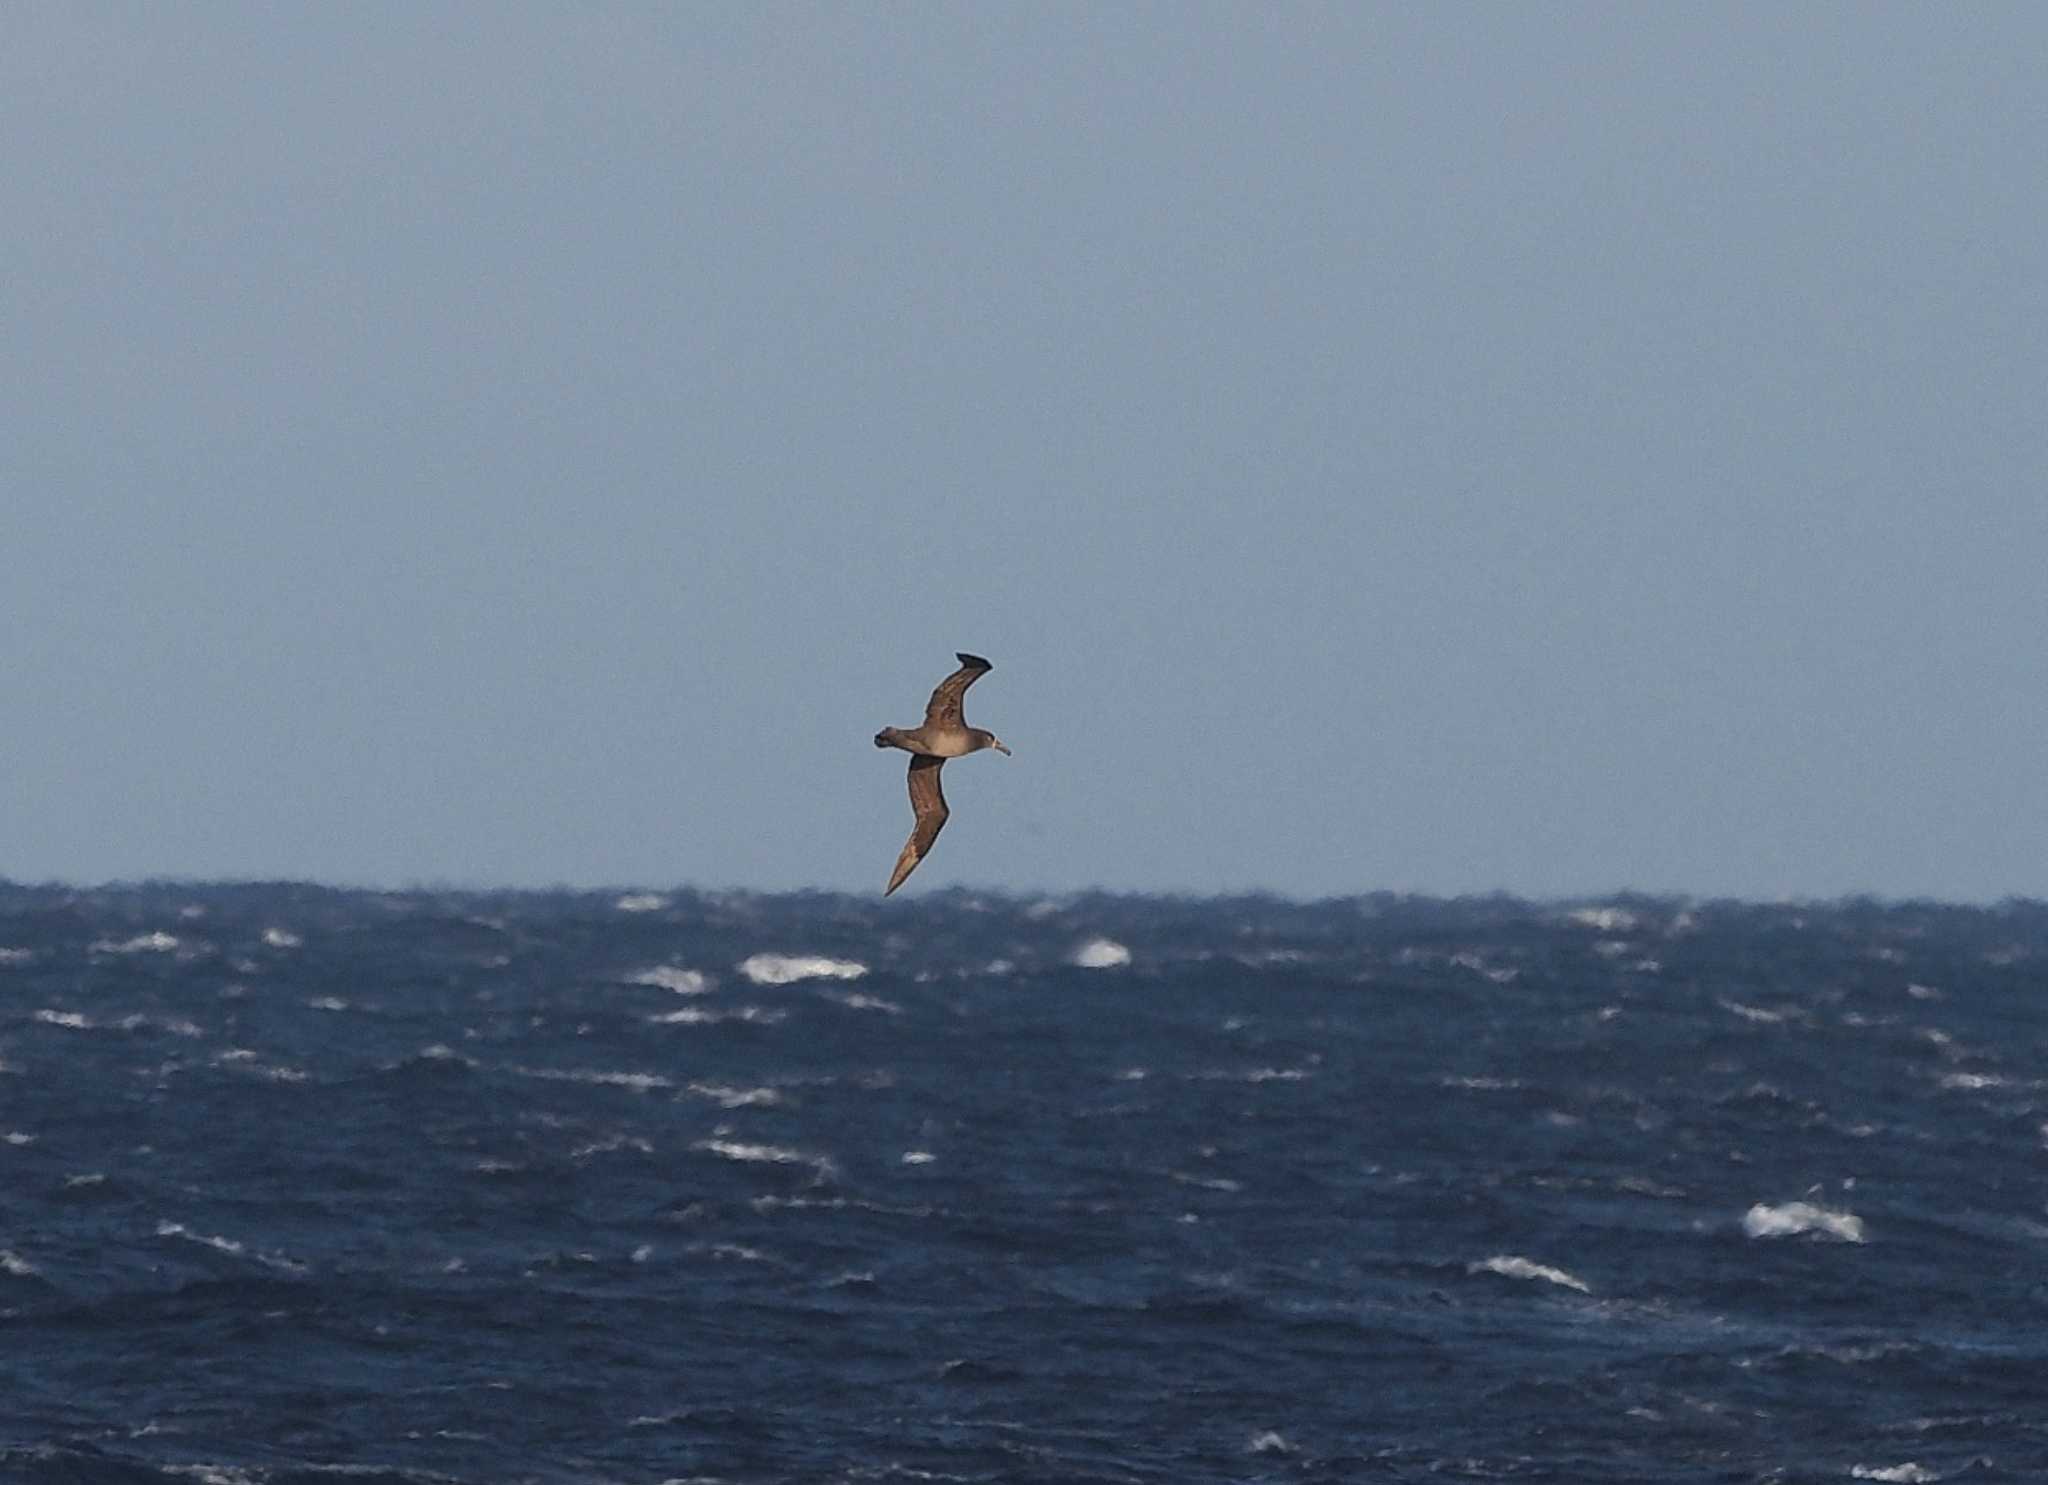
(1604, 919)
(214, 1474)
(690, 1015)
(730, 1097)
(1101, 953)
(228, 1245)
(14, 1265)
(641, 902)
(1252, 1075)
(771, 1154)
(180, 1230)
(244, 1059)
(1796, 1217)
(787, 969)
(281, 938)
(1972, 1080)
(72, 1019)
(765, 1155)
(1512, 1267)
(143, 943)
(604, 1077)
(1908, 1473)
(16, 956)
(918, 1157)
(673, 977)
(1478, 965)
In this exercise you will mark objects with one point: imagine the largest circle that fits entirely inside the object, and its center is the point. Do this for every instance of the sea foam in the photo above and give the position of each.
(142, 943)
(1101, 953)
(1509, 1266)
(1797, 1217)
(787, 969)
(671, 977)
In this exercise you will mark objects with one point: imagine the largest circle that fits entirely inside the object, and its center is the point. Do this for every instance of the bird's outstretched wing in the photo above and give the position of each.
(929, 805)
(943, 710)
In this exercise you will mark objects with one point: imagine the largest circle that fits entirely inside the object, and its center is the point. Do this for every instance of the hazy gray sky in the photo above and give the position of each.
(1554, 448)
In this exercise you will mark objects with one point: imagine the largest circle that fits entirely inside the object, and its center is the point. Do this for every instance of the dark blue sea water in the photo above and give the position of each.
(299, 1185)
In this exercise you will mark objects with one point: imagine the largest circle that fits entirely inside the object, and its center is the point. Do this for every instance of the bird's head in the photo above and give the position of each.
(990, 740)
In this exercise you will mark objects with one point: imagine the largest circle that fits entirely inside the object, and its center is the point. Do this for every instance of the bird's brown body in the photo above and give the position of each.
(944, 734)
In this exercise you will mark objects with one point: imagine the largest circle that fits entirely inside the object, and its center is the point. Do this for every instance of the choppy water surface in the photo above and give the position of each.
(299, 1185)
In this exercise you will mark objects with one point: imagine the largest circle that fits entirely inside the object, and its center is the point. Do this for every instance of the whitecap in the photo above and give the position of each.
(1796, 1217)
(213, 1474)
(71, 1019)
(281, 938)
(727, 1096)
(1604, 919)
(1972, 1080)
(787, 969)
(1924, 992)
(1254, 1075)
(772, 1154)
(1909, 1473)
(603, 1077)
(859, 1002)
(690, 1015)
(1753, 1012)
(1523, 1268)
(1101, 953)
(755, 1154)
(16, 956)
(641, 902)
(14, 1265)
(1478, 966)
(180, 1230)
(672, 977)
(738, 1251)
(1269, 1442)
(327, 1003)
(143, 943)
(246, 1060)
(17, 1137)
(918, 1157)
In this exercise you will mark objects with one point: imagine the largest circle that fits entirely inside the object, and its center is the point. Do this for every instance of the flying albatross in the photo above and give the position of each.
(945, 734)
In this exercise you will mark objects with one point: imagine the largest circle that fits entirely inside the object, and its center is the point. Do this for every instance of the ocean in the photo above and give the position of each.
(304, 1185)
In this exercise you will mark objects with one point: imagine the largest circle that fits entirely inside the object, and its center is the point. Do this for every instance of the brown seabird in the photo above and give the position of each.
(945, 734)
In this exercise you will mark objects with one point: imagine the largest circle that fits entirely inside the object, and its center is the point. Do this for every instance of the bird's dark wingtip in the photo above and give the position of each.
(975, 660)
